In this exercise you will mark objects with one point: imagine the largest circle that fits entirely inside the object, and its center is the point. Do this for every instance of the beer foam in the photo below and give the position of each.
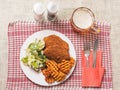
(82, 19)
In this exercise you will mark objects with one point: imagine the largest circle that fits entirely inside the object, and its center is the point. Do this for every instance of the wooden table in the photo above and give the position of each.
(105, 10)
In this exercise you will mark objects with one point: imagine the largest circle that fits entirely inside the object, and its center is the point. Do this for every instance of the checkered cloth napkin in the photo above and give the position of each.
(19, 31)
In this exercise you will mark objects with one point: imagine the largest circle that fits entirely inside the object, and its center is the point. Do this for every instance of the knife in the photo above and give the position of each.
(94, 52)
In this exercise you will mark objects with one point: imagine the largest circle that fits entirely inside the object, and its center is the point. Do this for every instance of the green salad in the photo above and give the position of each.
(34, 55)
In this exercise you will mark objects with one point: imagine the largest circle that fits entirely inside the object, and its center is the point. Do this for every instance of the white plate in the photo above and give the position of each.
(36, 77)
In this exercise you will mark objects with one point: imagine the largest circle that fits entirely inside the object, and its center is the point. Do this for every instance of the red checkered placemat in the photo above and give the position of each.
(19, 31)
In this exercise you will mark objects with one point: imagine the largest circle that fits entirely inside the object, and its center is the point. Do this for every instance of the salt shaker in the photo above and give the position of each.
(52, 11)
(39, 10)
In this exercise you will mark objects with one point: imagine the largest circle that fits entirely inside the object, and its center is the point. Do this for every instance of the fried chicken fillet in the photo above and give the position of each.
(56, 49)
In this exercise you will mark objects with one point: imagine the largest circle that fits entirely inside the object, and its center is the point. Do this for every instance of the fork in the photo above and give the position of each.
(87, 53)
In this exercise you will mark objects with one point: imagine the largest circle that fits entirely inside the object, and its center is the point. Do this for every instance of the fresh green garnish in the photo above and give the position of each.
(34, 55)
(40, 54)
(34, 64)
(37, 45)
(25, 60)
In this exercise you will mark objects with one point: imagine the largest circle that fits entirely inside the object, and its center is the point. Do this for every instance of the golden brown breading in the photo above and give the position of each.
(55, 40)
(56, 49)
(56, 53)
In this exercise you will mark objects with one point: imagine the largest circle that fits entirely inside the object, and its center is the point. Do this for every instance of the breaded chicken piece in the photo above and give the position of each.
(55, 40)
(56, 53)
(56, 49)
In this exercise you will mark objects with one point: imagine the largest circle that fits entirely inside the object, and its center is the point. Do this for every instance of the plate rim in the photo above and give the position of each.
(50, 30)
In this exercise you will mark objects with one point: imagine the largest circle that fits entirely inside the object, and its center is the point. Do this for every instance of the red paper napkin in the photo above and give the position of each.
(19, 31)
(92, 76)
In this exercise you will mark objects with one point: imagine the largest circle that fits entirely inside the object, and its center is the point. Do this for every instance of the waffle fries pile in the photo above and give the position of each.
(57, 71)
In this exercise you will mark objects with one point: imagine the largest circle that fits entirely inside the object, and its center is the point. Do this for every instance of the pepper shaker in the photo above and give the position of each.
(38, 10)
(52, 9)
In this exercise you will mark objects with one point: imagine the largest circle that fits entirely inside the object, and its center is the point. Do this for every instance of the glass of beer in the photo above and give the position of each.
(83, 20)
